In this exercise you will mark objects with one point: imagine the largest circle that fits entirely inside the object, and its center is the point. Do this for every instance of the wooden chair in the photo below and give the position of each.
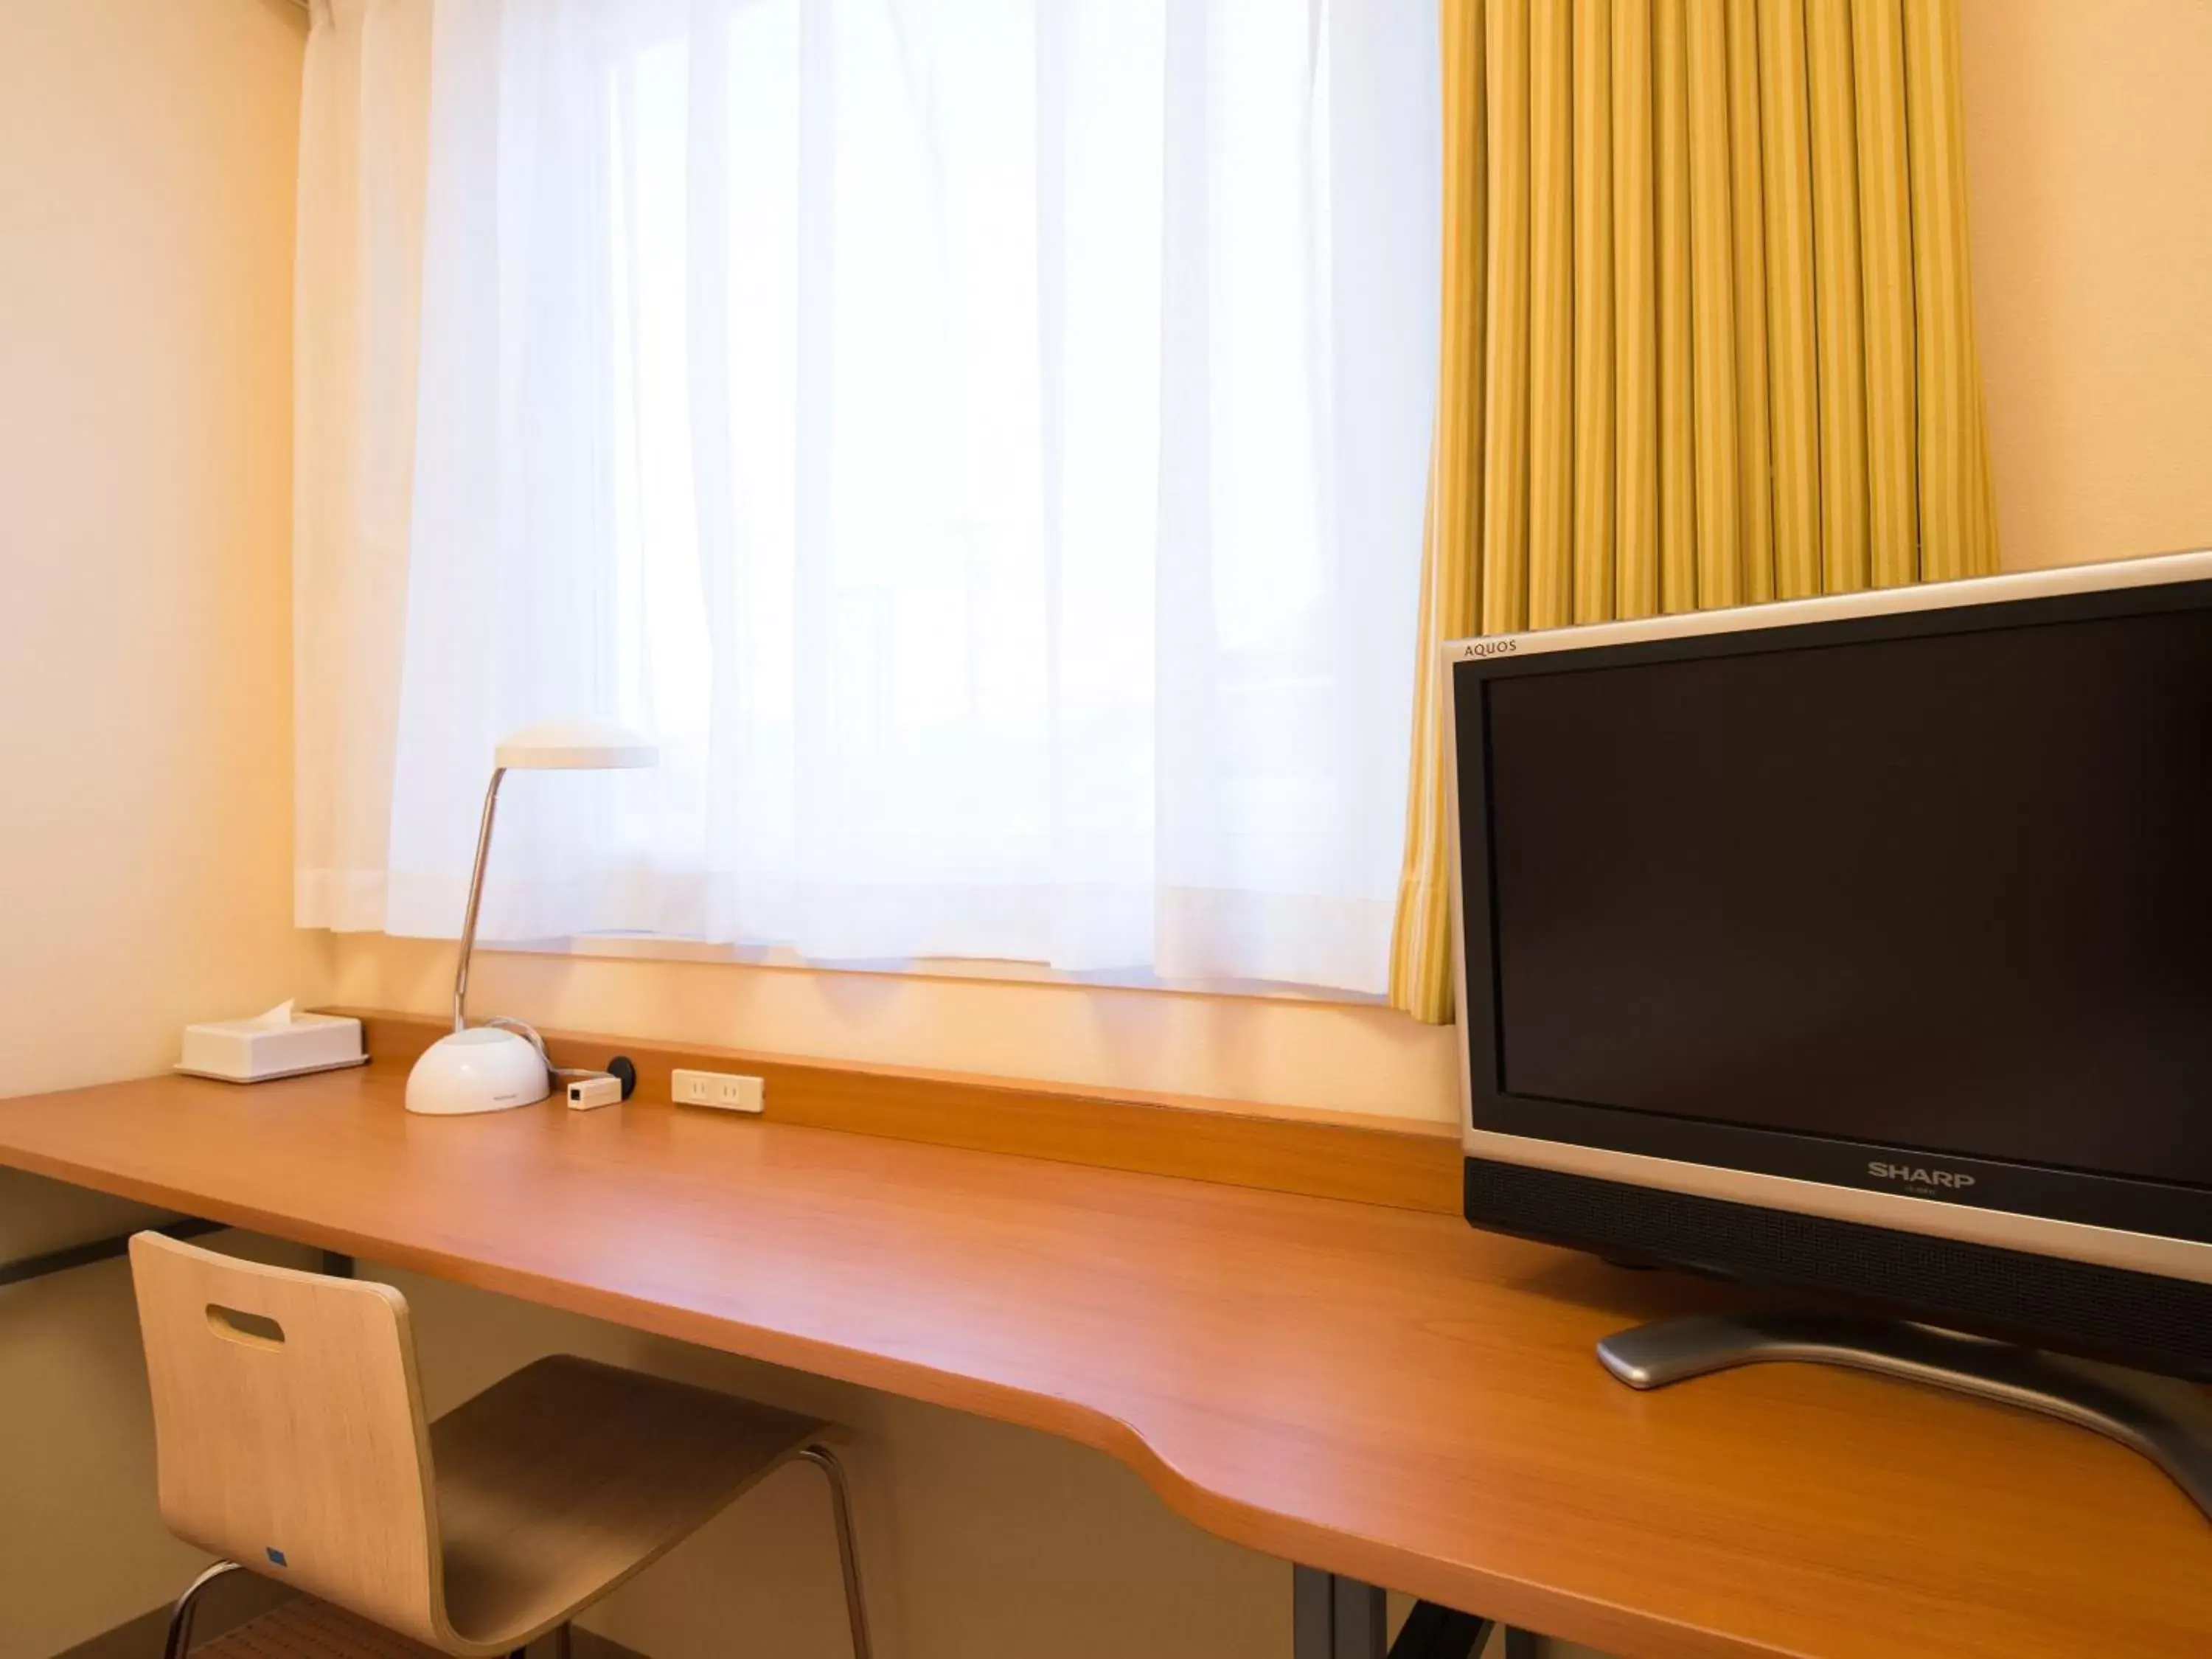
(290, 1439)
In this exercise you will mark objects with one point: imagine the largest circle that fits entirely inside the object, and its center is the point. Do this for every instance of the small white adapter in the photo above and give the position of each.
(587, 1092)
(728, 1090)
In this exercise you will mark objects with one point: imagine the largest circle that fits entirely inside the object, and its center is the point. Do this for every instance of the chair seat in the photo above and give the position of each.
(561, 1481)
(304, 1628)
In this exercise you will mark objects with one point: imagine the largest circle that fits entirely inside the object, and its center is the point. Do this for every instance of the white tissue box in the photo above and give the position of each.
(255, 1050)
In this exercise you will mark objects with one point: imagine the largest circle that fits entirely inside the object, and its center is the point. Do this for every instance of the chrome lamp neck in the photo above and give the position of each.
(475, 901)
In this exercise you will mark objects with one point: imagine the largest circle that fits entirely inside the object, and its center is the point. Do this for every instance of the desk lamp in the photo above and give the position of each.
(489, 1067)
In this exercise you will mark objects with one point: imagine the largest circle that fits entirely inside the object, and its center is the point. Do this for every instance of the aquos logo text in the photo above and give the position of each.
(1474, 649)
(1913, 1175)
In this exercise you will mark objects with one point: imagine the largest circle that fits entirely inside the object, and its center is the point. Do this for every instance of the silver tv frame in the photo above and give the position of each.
(1937, 1216)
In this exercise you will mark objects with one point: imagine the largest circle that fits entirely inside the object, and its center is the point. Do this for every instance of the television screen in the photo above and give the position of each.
(1949, 892)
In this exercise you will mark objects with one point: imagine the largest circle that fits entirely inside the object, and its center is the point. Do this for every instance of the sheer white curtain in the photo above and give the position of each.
(983, 441)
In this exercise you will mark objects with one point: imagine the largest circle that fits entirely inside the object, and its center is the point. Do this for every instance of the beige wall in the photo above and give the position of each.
(144, 188)
(2090, 147)
(145, 224)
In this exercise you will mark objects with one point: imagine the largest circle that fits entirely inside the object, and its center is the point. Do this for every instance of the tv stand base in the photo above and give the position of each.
(2169, 1422)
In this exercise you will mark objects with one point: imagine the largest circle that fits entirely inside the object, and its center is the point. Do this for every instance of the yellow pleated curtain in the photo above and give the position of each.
(1708, 335)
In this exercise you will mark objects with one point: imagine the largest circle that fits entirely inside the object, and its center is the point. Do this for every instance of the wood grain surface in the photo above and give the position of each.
(1376, 1391)
(304, 1435)
(477, 1534)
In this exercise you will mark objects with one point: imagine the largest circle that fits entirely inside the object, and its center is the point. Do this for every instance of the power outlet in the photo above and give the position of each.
(726, 1091)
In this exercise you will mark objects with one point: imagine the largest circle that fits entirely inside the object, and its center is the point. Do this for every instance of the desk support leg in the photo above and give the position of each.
(98, 1249)
(1333, 1617)
(2166, 1421)
(1336, 1618)
(338, 1265)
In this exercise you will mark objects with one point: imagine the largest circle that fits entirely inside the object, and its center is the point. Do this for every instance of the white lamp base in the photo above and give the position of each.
(483, 1069)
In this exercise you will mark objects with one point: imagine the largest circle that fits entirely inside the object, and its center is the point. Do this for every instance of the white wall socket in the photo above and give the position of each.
(725, 1090)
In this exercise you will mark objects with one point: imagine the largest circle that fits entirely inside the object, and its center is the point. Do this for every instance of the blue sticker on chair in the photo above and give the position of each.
(277, 1555)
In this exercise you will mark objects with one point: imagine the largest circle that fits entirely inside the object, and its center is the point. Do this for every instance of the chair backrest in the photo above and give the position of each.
(288, 1428)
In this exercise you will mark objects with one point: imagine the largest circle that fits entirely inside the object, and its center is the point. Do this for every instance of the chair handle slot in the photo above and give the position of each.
(236, 1325)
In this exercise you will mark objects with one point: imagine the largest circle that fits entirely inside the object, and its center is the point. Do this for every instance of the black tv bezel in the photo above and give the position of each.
(2087, 1197)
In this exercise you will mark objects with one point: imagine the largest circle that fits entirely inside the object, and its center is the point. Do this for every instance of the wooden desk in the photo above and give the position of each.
(1378, 1392)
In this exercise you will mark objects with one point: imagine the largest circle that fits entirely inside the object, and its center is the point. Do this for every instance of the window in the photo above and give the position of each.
(984, 440)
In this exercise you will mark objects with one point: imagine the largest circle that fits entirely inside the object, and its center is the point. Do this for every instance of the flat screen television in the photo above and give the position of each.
(1859, 945)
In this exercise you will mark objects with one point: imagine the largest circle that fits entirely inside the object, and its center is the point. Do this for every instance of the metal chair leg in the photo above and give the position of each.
(180, 1639)
(849, 1554)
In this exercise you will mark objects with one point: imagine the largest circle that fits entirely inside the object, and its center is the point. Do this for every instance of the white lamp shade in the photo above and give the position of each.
(483, 1069)
(574, 746)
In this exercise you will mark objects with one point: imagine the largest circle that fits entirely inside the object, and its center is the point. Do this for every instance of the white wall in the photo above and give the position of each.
(145, 226)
